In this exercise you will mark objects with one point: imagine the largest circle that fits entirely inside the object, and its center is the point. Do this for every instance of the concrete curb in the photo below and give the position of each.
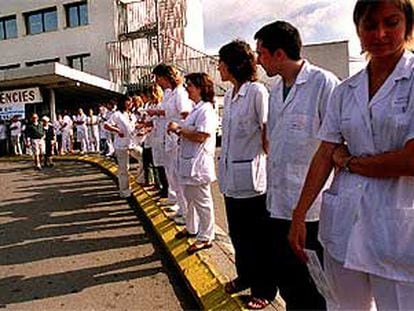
(206, 284)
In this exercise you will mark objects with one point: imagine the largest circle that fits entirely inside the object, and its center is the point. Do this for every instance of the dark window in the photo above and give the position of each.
(41, 21)
(78, 61)
(8, 27)
(76, 14)
(42, 61)
(11, 66)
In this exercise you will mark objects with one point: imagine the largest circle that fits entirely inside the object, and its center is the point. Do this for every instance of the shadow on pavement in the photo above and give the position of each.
(51, 215)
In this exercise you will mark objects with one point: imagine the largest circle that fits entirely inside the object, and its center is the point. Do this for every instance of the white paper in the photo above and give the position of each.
(319, 277)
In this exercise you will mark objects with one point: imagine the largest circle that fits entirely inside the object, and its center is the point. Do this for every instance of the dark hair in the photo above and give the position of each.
(203, 82)
(281, 35)
(240, 60)
(169, 72)
(122, 103)
(363, 7)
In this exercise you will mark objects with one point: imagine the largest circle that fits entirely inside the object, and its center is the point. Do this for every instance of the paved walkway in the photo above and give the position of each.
(67, 242)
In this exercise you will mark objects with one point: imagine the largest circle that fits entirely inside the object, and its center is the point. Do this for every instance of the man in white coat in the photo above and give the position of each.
(297, 106)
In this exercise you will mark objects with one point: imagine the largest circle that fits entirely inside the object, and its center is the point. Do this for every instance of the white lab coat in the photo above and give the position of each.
(368, 223)
(292, 129)
(242, 164)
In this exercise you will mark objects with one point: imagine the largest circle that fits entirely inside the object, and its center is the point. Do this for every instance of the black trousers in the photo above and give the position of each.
(245, 218)
(161, 180)
(148, 163)
(286, 272)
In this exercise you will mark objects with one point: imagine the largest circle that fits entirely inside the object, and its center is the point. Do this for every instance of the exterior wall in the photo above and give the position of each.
(333, 56)
(64, 41)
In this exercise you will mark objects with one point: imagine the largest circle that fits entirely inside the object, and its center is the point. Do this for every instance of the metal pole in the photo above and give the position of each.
(158, 31)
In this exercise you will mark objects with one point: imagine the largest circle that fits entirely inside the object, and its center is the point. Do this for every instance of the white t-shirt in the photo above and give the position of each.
(15, 128)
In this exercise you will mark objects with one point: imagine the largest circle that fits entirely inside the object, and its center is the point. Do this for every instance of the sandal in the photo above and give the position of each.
(198, 246)
(234, 286)
(257, 303)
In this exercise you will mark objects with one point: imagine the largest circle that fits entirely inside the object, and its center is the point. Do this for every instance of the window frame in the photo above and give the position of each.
(78, 6)
(4, 20)
(42, 13)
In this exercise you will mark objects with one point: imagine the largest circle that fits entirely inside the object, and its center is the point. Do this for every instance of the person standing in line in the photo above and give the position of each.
(136, 149)
(242, 164)
(298, 102)
(82, 137)
(50, 140)
(66, 129)
(111, 108)
(366, 225)
(196, 167)
(93, 131)
(176, 108)
(15, 135)
(155, 140)
(36, 139)
(159, 123)
(121, 124)
(57, 124)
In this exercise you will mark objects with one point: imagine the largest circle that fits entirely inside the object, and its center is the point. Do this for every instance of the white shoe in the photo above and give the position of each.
(174, 208)
(179, 220)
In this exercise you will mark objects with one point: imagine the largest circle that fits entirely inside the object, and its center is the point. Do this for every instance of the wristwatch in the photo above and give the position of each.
(347, 163)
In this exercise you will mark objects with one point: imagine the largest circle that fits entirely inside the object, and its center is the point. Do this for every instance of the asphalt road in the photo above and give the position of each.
(67, 242)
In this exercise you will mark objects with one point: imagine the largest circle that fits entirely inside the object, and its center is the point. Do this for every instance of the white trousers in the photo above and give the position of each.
(136, 153)
(66, 142)
(357, 290)
(122, 157)
(171, 168)
(200, 211)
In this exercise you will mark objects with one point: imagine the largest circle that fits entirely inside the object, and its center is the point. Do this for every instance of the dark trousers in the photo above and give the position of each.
(245, 219)
(148, 163)
(161, 180)
(287, 272)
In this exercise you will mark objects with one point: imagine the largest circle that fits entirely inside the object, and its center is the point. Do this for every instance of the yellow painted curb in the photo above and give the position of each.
(204, 281)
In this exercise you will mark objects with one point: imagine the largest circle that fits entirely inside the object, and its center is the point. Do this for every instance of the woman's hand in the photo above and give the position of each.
(339, 157)
(297, 235)
(172, 127)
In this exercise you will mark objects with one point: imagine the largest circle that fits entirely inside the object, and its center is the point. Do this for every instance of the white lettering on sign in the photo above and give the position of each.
(24, 96)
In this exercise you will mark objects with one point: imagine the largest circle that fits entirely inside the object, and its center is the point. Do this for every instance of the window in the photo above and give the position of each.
(8, 27)
(43, 61)
(8, 67)
(41, 21)
(78, 61)
(76, 14)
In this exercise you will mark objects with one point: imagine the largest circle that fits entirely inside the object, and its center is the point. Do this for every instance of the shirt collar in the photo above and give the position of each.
(304, 73)
(400, 72)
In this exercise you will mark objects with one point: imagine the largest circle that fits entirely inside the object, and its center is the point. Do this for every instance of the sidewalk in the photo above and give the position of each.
(205, 272)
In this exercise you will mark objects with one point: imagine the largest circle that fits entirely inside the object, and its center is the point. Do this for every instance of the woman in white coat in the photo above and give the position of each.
(123, 126)
(242, 166)
(366, 222)
(196, 160)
